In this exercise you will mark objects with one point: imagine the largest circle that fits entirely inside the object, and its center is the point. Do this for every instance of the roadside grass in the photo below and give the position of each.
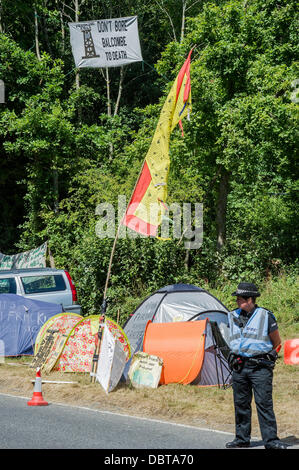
(206, 407)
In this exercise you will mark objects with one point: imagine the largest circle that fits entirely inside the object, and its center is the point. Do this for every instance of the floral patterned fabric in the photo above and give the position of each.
(79, 349)
(63, 322)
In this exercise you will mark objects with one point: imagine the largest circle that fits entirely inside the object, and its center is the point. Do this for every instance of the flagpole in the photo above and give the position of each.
(117, 236)
(120, 223)
(110, 261)
(95, 359)
(104, 304)
(98, 340)
(184, 70)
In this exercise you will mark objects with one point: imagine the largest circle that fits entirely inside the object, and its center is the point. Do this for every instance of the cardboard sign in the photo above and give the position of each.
(145, 370)
(45, 347)
(112, 360)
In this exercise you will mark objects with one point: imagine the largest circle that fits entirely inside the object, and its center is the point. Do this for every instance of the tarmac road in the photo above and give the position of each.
(66, 427)
(59, 426)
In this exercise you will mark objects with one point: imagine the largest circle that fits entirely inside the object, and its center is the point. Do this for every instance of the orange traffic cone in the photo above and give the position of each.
(37, 398)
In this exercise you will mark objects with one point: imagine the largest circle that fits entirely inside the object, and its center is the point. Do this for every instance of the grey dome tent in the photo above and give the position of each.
(175, 303)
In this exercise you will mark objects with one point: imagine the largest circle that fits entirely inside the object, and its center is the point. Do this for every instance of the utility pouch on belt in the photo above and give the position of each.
(265, 361)
(272, 356)
(269, 359)
(235, 362)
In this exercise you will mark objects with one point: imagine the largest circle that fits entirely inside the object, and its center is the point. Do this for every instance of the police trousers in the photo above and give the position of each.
(259, 381)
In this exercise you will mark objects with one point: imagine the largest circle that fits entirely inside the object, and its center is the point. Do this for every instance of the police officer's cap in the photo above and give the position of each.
(247, 289)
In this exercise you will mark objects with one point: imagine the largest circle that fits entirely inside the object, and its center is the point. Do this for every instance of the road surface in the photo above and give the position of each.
(60, 426)
(68, 427)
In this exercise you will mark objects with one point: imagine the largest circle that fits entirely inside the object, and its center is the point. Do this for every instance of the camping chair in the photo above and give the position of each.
(221, 352)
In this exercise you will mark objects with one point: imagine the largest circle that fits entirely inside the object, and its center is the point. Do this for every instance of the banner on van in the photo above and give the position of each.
(105, 43)
(35, 258)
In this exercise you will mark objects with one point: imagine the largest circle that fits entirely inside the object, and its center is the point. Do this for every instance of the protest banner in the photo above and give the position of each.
(105, 43)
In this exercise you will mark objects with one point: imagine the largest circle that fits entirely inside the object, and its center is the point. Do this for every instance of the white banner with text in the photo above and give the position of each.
(105, 43)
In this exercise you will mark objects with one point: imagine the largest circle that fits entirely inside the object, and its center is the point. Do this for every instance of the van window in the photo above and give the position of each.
(8, 286)
(37, 284)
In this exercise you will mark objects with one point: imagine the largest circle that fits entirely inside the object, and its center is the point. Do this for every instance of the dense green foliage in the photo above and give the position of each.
(63, 151)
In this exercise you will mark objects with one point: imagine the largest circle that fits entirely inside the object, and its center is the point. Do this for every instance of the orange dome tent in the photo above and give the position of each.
(188, 352)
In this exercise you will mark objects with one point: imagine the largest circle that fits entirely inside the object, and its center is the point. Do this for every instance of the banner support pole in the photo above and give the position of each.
(104, 304)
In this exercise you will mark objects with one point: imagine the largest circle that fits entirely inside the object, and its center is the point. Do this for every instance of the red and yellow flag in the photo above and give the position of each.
(147, 205)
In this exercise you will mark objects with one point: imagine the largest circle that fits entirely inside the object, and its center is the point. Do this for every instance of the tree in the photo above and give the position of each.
(243, 132)
(238, 155)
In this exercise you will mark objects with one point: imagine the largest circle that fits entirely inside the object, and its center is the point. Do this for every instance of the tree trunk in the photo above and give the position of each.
(120, 88)
(56, 190)
(186, 260)
(1, 26)
(109, 109)
(221, 208)
(62, 31)
(36, 34)
(108, 92)
(184, 4)
(161, 6)
(76, 21)
(45, 30)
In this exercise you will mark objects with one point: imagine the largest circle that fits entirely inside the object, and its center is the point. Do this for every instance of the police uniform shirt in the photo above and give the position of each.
(244, 317)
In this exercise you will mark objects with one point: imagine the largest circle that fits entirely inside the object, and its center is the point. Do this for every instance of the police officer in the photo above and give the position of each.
(254, 338)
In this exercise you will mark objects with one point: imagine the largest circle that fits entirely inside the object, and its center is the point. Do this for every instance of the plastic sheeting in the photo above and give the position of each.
(20, 322)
